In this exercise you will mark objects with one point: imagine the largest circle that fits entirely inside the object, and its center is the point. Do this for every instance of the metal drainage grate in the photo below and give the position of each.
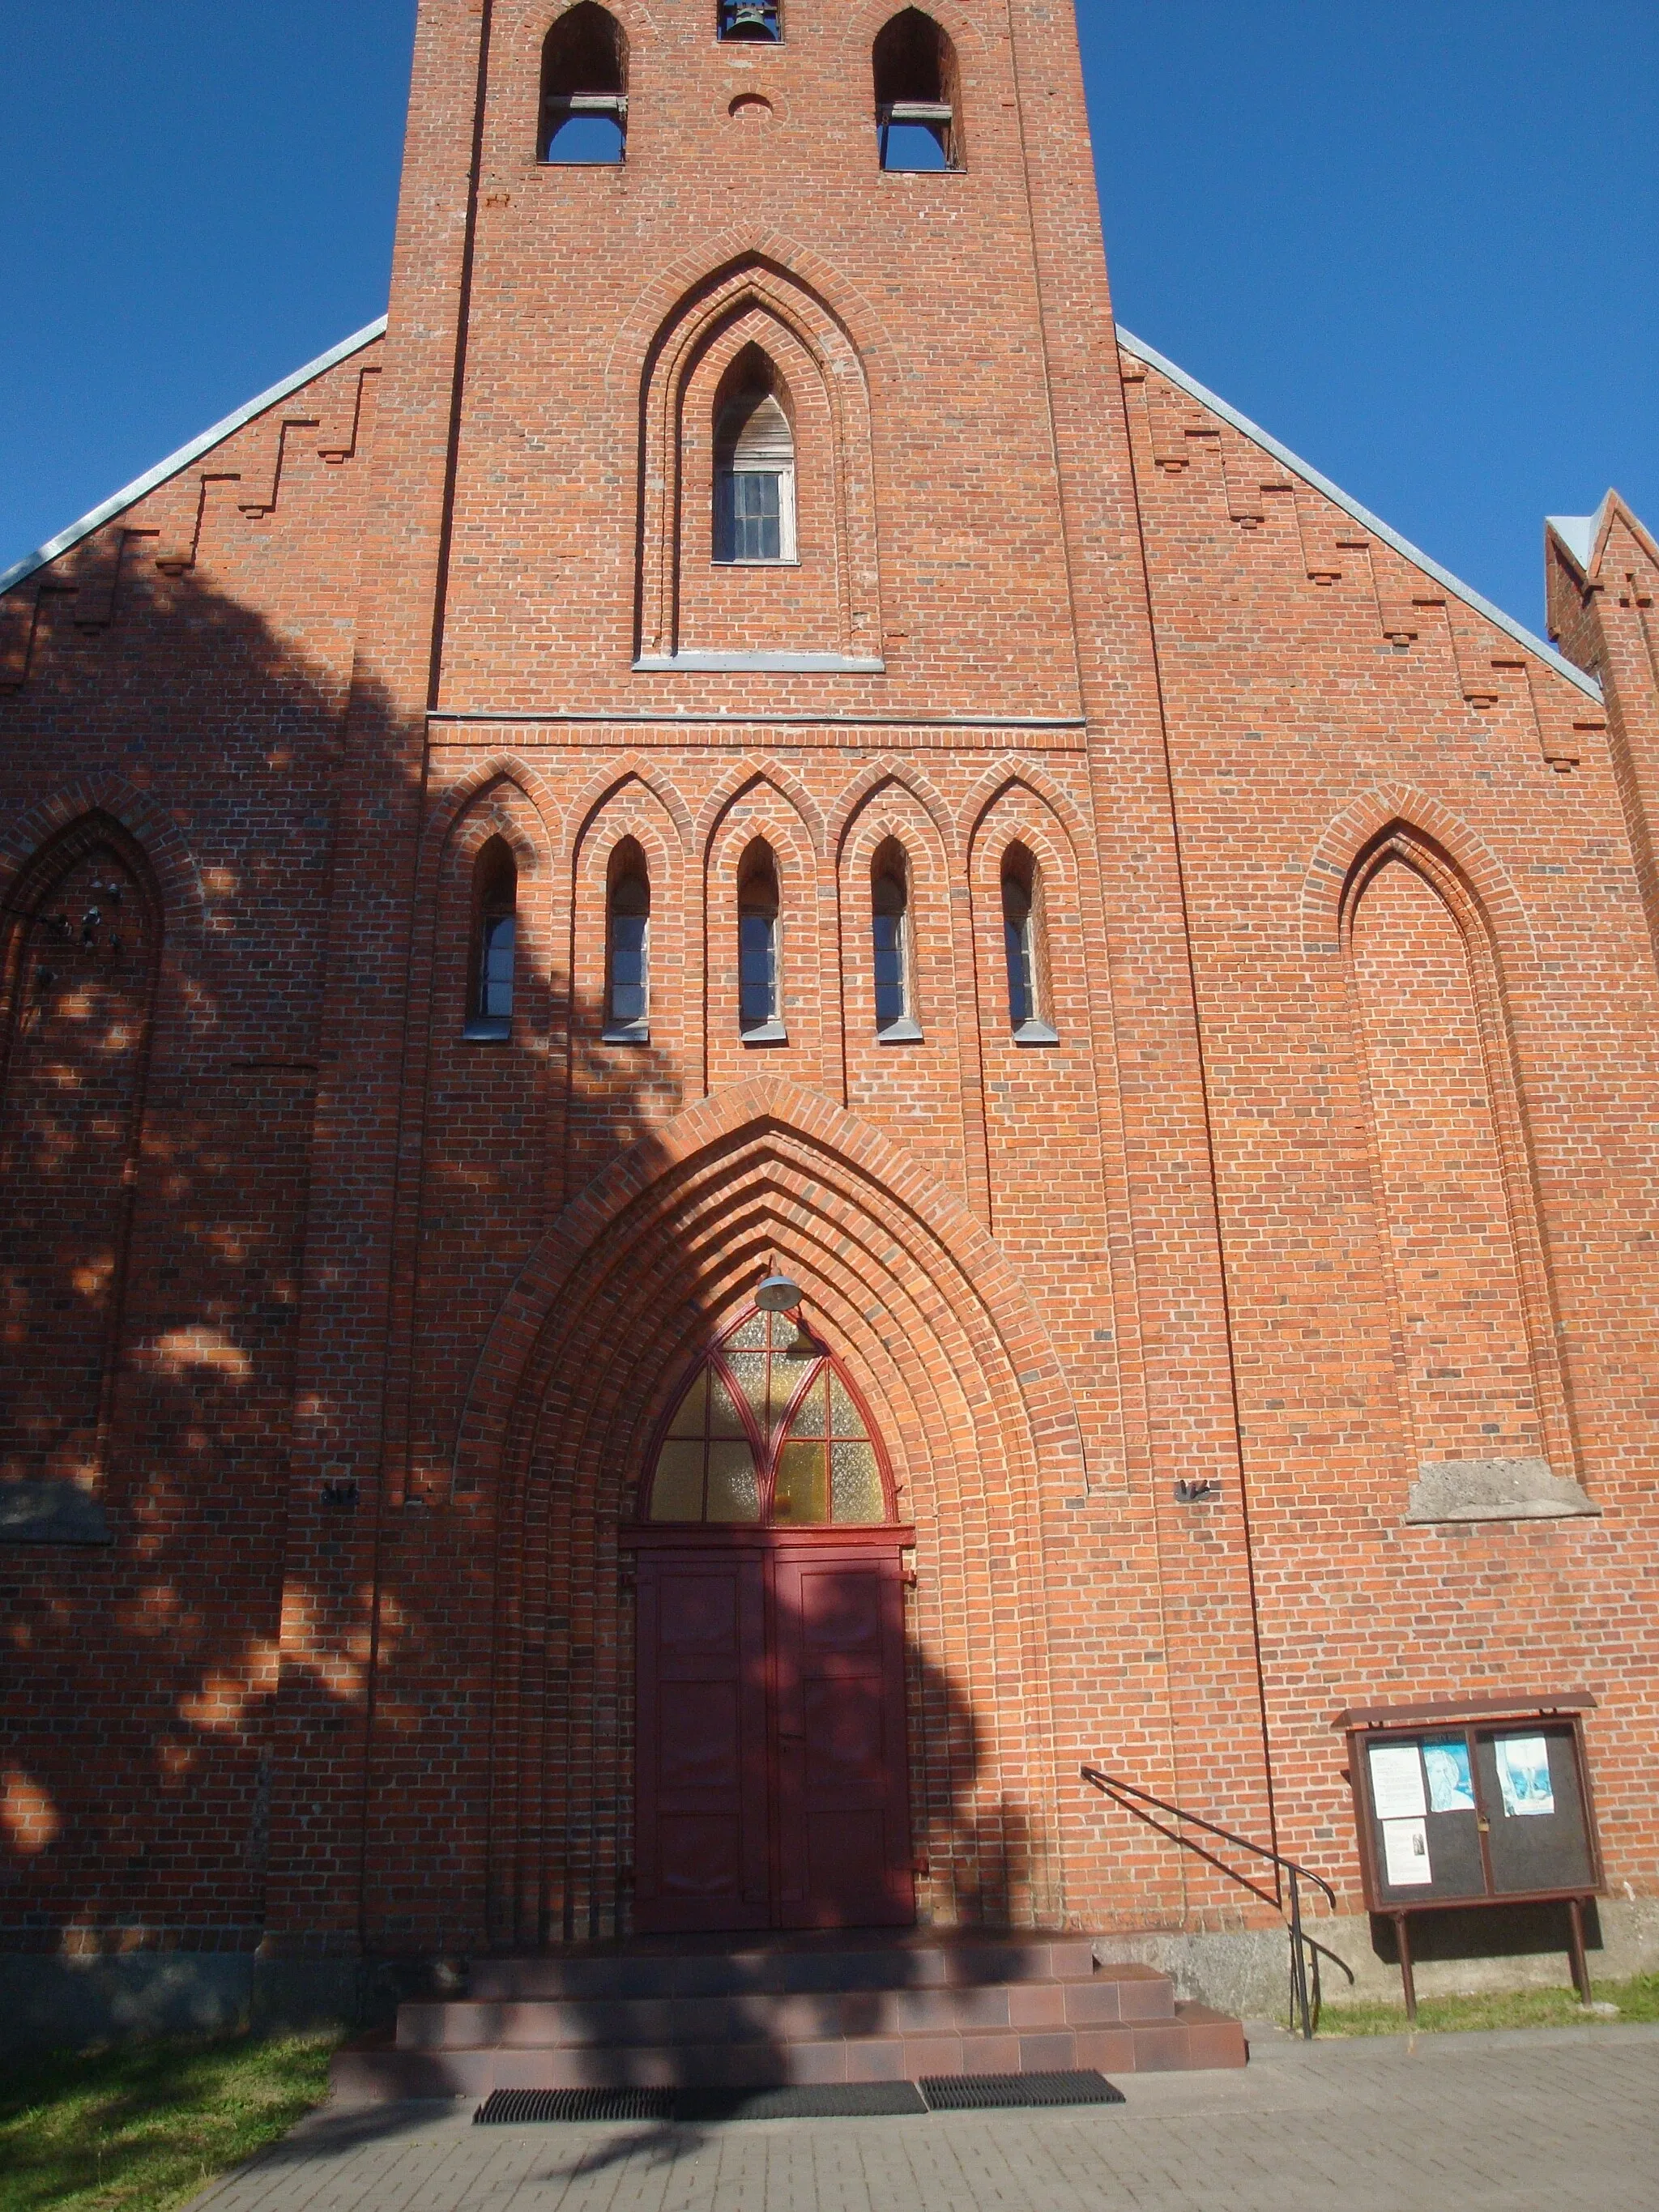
(803, 2101)
(504, 2106)
(963, 2093)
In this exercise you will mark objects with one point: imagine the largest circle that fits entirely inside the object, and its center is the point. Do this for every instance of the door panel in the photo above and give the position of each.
(701, 1848)
(842, 1819)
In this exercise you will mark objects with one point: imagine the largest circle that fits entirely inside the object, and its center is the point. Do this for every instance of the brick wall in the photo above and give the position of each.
(1338, 1164)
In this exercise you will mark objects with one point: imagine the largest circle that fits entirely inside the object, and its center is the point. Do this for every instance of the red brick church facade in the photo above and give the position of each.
(749, 731)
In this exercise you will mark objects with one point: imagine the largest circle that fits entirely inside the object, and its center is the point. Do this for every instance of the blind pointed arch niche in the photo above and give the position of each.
(768, 1432)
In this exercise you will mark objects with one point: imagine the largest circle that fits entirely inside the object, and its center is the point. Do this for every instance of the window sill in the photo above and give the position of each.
(489, 1029)
(750, 664)
(902, 1031)
(783, 561)
(1036, 1032)
(771, 1032)
(626, 1033)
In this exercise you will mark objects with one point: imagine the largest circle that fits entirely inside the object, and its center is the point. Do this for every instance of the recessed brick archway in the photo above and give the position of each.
(957, 1369)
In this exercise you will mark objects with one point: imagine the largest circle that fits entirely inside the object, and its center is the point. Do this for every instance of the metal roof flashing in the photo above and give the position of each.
(1577, 533)
(1309, 475)
(21, 570)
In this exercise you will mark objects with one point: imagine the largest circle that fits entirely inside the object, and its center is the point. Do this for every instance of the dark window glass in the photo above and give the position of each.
(1016, 941)
(628, 967)
(757, 968)
(630, 920)
(752, 517)
(887, 924)
(496, 967)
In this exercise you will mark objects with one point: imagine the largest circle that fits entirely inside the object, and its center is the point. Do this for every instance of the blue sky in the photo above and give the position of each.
(1417, 239)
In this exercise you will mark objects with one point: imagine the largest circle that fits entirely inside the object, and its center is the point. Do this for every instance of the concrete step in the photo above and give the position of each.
(686, 1969)
(1194, 2037)
(1111, 1997)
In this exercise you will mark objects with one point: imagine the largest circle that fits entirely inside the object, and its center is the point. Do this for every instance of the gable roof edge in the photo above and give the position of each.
(1309, 475)
(129, 494)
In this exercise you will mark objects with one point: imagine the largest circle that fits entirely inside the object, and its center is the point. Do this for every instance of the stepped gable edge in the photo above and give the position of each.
(203, 443)
(1140, 351)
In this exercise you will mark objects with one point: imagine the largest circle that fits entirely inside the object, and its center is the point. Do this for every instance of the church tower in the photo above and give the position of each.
(756, 820)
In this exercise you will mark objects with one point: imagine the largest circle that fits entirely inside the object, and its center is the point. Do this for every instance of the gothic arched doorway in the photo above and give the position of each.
(771, 1777)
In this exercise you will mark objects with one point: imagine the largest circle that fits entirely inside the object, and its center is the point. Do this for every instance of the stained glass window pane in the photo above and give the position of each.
(845, 1419)
(752, 1332)
(688, 1422)
(856, 1483)
(733, 1490)
(724, 1418)
(677, 1492)
(785, 1381)
(809, 1414)
(749, 1370)
(799, 1494)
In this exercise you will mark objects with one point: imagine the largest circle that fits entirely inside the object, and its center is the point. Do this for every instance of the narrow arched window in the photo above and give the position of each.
(889, 931)
(495, 932)
(1022, 939)
(627, 969)
(754, 465)
(760, 1000)
(759, 21)
(917, 99)
(584, 88)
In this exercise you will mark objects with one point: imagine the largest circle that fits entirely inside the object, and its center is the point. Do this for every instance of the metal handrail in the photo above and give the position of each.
(1305, 2008)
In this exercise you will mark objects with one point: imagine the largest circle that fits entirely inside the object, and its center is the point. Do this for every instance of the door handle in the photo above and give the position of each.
(792, 1735)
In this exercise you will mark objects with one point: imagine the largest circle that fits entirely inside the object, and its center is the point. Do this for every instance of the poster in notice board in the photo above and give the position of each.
(1462, 1815)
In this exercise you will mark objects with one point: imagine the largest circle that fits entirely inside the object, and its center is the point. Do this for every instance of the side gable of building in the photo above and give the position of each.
(262, 507)
(1331, 554)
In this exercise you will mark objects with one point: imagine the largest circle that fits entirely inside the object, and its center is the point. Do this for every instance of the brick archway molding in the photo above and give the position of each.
(974, 1407)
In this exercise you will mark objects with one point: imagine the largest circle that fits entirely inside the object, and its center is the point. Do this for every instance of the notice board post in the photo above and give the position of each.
(1481, 1800)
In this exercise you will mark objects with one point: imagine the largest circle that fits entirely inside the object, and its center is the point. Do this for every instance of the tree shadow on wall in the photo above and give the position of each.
(729, 2007)
(179, 775)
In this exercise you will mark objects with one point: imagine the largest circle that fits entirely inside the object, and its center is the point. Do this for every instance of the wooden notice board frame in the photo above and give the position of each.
(1501, 1811)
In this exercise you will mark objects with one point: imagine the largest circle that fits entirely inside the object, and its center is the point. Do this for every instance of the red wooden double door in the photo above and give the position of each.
(772, 1785)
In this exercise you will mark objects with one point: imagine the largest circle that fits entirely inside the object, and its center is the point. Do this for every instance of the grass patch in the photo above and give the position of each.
(1637, 1999)
(141, 2127)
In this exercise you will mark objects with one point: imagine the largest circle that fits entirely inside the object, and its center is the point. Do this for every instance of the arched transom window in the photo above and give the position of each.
(769, 1433)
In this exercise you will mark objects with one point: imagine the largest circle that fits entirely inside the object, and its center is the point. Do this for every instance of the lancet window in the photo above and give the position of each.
(768, 1432)
(494, 940)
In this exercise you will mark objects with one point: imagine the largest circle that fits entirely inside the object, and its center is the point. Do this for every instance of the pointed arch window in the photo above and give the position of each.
(769, 1432)
(627, 961)
(759, 997)
(494, 945)
(891, 945)
(1024, 949)
(917, 98)
(754, 466)
(584, 89)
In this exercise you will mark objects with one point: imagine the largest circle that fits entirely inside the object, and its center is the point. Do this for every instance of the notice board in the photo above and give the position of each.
(1482, 1803)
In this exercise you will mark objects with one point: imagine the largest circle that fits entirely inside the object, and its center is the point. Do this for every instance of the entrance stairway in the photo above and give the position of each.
(854, 2006)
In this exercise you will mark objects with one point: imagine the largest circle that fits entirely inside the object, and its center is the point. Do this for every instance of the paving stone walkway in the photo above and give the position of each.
(1535, 2120)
